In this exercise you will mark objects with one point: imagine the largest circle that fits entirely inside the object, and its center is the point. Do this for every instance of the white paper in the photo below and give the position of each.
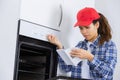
(65, 55)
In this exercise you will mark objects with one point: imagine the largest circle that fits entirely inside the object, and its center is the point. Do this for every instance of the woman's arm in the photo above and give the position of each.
(105, 67)
(54, 40)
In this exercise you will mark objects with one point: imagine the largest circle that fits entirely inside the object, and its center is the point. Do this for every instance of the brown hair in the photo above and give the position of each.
(104, 29)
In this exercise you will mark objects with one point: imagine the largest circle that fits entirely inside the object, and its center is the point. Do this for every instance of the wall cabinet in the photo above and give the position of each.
(43, 12)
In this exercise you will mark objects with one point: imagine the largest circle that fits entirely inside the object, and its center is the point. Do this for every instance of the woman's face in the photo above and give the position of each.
(90, 32)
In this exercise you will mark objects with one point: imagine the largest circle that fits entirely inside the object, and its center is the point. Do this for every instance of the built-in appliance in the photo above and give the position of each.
(36, 58)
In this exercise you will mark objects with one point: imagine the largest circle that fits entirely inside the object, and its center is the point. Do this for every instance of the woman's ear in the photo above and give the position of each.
(97, 24)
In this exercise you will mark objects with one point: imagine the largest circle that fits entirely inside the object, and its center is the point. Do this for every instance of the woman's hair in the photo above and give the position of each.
(104, 29)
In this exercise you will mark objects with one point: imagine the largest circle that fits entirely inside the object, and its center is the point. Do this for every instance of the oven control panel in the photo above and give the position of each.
(36, 31)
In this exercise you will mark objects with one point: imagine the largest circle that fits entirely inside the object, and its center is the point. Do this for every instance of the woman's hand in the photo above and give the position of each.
(82, 54)
(54, 40)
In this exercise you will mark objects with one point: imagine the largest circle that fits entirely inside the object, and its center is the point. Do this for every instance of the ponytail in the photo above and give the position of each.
(104, 29)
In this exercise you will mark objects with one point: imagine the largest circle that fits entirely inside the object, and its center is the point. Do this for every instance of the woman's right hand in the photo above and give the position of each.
(54, 40)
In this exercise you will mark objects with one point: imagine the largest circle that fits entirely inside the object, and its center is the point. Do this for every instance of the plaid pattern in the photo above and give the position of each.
(103, 64)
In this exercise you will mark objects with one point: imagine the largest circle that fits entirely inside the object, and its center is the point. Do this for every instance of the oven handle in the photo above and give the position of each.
(31, 44)
(61, 15)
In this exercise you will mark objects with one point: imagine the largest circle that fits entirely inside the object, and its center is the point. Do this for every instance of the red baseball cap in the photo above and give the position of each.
(86, 16)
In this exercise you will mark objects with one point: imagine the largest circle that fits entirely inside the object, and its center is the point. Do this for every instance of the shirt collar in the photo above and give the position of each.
(94, 43)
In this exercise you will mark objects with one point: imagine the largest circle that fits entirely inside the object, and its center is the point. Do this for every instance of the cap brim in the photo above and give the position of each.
(82, 23)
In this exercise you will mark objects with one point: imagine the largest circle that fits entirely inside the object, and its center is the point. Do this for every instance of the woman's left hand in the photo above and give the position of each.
(82, 54)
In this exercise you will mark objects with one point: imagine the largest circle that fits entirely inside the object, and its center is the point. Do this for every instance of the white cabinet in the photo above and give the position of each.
(44, 12)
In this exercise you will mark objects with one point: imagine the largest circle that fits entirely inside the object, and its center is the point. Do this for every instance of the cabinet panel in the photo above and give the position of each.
(43, 12)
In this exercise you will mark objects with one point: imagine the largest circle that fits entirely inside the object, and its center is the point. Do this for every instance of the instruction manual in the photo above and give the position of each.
(67, 58)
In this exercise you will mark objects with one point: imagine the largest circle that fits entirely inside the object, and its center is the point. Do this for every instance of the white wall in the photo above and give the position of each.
(9, 12)
(70, 35)
(111, 9)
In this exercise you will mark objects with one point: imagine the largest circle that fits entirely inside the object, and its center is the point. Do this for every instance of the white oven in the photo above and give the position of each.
(36, 58)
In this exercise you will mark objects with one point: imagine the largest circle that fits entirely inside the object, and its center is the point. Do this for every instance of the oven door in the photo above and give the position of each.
(35, 60)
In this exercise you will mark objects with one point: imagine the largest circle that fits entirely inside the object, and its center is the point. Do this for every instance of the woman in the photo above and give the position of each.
(98, 52)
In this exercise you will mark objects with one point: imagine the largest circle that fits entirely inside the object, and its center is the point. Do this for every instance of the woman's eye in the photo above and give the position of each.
(87, 27)
(81, 28)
